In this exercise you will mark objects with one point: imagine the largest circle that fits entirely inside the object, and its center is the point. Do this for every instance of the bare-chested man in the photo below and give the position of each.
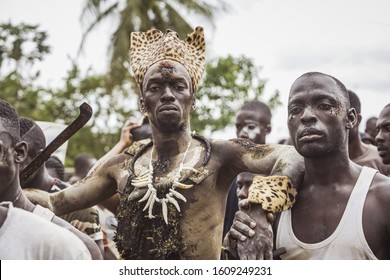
(342, 209)
(173, 189)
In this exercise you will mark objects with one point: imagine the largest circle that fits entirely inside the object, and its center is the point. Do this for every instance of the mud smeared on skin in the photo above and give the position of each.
(279, 167)
(139, 237)
(255, 151)
(3, 155)
(166, 69)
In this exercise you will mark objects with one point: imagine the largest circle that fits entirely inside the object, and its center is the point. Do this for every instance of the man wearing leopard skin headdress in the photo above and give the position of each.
(173, 188)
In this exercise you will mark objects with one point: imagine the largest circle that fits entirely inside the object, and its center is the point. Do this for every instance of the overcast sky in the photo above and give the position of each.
(349, 39)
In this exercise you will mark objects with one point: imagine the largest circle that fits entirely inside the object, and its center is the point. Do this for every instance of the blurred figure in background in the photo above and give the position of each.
(371, 127)
(383, 136)
(82, 164)
(359, 152)
(253, 122)
(55, 168)
(85, 220)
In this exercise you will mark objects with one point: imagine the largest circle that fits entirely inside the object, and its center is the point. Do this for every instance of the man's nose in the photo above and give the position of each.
(379, 137)
(243, 133)
(167, 95)
(308, 115)
(242, 193)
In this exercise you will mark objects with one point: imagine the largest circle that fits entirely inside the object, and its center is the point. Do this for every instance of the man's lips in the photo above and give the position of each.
(167, 108)
(382, 151)
(309, 134)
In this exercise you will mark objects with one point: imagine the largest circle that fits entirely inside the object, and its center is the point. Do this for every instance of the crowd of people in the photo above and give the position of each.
(165, 192)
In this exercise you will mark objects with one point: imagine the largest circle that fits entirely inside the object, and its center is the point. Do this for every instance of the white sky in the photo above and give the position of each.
(349, 39)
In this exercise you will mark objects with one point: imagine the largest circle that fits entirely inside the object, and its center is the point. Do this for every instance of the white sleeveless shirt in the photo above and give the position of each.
(346, 242)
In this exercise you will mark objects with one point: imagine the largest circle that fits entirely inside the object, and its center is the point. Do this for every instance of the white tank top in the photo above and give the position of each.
(346, 242)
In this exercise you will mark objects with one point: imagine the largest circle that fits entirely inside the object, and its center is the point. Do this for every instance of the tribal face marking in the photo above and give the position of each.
(4, 160)
(252, 130)
(166, 69)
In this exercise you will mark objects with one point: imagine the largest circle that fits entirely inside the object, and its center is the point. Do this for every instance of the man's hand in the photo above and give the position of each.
(126, 139)
(251, 234)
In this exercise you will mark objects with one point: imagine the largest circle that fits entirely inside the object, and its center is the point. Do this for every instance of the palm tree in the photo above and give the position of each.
(141, 15)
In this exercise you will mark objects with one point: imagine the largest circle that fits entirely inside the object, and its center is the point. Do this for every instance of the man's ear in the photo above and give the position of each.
(268, 128)
(352, 118)
(359, 119)
(142, 105)
(193, 107)
(20, 149)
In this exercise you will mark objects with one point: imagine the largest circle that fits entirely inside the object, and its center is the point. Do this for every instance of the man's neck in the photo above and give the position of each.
(330, 170)
(169, 145)
(16, 195)
(356, 148)
(42, 180)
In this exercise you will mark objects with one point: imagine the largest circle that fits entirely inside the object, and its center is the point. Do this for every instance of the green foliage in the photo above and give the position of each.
(227, 84)
(140, 15)
(21, 47)
(23, 44)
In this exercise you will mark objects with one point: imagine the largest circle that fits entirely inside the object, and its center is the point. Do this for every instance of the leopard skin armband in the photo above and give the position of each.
(273, 193)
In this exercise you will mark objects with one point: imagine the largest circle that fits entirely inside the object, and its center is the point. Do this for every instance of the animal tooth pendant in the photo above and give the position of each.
(146, 180)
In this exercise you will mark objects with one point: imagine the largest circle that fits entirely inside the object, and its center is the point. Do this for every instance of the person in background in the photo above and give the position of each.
(55, 168)
(383, 136)
(82, 164)
(371, 127)
(13, 154)
(253, 122)
(86, 220)
(359, 152)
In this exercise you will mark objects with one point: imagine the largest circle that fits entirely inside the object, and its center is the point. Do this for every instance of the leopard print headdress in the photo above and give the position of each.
(147, 48)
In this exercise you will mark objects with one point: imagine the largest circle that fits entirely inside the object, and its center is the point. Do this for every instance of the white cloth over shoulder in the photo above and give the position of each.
(26, 236)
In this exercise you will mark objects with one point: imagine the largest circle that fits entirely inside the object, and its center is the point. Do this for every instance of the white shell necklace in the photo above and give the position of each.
(170, 197)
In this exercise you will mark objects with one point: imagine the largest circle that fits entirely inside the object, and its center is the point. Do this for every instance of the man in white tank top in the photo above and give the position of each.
(342, 210)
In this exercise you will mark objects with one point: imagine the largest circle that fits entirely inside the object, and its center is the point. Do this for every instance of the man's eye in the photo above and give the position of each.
(387, 128)
(251, 126)
(295, 110)
(325, 106)
(179, 88)
(154, 88)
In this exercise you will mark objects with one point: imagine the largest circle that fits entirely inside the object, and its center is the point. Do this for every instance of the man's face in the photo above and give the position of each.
(317, 116)
(371, 127)
(251, 125)
(7, 163)
(167, 96)
(32, 152)
(244, 180)
(383, 136)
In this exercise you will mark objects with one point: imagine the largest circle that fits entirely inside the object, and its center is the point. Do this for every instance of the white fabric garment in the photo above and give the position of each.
(26, 236)
(346, 242)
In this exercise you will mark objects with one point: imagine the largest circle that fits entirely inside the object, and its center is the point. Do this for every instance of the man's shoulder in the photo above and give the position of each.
(380, 187)
(137, 146)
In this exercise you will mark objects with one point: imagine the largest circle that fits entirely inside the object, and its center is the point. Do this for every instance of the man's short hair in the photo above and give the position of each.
(256, 106)
(32, 134)
(10, 120)
(354, 101)
(55, 163)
